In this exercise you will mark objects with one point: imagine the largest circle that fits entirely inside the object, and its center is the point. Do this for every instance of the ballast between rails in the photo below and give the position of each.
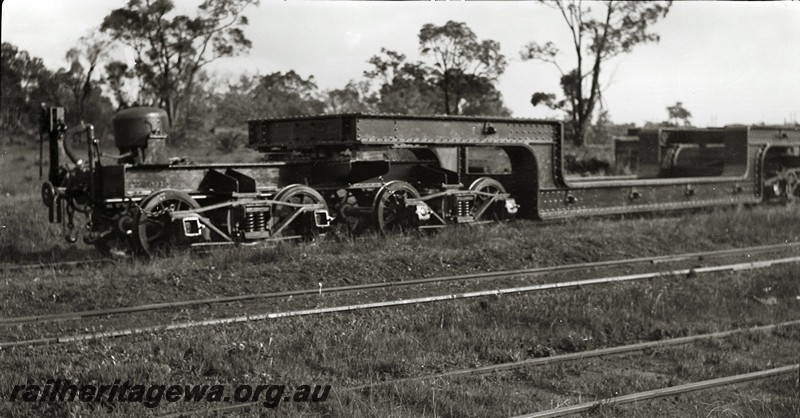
(395, 303)
(368, 286)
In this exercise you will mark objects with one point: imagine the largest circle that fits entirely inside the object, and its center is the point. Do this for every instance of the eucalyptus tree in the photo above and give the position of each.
(171, 49)
(597, 36)
(464, 67)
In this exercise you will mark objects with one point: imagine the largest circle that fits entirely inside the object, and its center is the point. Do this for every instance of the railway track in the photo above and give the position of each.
(400, 302)
(56, 264)
(656, 259)
(748, 251)
(581, 355)
(664, 392)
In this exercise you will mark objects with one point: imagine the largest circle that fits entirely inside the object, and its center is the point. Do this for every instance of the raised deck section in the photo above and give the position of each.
(352, 130)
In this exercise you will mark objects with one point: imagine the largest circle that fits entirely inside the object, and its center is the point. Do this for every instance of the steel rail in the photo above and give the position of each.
(581, 355)
(12, 267)
(560, 358)
(369, 286)
(664, 392)
(401, 302)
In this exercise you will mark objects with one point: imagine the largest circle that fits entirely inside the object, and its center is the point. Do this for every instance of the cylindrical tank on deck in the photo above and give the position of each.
(692, 160)
(133, 126)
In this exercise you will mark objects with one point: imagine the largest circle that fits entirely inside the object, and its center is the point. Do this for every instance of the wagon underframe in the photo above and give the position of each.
(390, 172)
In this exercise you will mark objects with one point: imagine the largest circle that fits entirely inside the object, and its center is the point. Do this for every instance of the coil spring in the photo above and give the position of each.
(255, 221)
(249, 222)
(260, 221)
(464, 207)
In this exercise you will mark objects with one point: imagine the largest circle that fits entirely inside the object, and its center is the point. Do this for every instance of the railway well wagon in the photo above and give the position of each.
(389, 172)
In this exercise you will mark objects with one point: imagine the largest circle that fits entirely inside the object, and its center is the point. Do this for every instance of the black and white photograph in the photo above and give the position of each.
(340, 208)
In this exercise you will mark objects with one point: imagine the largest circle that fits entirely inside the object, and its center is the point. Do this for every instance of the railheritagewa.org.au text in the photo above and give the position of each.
(152, 395)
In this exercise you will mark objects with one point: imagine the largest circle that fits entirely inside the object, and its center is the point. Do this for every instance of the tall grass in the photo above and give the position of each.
(357, 348)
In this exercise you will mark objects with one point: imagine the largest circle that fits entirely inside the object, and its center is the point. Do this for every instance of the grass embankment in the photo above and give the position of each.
(352, 349)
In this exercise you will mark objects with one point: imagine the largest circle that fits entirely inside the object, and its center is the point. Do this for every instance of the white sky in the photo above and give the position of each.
(728, 62)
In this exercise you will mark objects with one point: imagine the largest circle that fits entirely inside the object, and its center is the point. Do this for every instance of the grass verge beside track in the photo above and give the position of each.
(370, 346)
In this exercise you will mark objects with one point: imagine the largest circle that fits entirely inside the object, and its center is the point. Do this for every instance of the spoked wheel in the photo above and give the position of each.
(389, 208)
(154, 231)
(288, 220)
(487, 187)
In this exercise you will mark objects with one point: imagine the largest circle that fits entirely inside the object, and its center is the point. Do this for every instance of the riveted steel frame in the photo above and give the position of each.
(564, 197)
(539, 181)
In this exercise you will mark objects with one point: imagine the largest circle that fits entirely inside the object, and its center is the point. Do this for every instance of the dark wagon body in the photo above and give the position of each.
(398, 172)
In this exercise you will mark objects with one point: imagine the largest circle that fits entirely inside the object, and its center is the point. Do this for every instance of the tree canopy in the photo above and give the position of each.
(465, 69)
(458, 77)
(170, 50)
(456, 73)
(286, 94)
(679, 113)
(354, 97)
(81, 77)
(27, 83)
(596, 38)
(403, 87)
(24, 81)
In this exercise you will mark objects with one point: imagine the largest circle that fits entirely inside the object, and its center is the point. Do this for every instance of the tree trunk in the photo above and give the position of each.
(446, 87)
(169, 106)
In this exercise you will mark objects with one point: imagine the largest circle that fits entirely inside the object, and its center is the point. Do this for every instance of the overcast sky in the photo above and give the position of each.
(728, 62)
